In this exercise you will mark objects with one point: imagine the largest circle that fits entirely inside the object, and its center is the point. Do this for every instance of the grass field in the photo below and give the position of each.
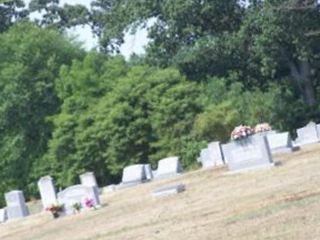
(278, 203)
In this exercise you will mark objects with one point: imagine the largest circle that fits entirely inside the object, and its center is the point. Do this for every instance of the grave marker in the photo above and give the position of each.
(16, 205)
(249, 153)
(47, 191)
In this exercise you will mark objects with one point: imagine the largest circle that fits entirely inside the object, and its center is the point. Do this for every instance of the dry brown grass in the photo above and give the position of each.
(280, 203)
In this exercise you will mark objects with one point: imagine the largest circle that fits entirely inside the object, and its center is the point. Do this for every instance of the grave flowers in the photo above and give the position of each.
(241, 132)
(55, 209)
(89, 203)
(262, 127)
(76, 207)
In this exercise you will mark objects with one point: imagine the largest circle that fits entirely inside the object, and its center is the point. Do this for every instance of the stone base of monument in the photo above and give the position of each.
(254, 168)
(285, 150)
(168, 190)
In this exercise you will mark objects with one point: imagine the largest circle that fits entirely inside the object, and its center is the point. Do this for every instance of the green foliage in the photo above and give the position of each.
(28, 67)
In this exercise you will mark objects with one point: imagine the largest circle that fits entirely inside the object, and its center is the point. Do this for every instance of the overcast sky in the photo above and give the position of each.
(133, 43)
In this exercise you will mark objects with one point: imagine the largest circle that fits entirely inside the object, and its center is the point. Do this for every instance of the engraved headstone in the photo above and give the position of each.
(3, 215)
(249, 153)
(308, 134)
(211, 156)
(206, 159)
(77, 194)
(280, 142)
(133, 175)
(88, 179)
(169, 167)
(47, 191)
(16, 205)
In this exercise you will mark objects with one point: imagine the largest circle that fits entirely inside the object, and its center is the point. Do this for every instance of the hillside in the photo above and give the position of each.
(280, 203)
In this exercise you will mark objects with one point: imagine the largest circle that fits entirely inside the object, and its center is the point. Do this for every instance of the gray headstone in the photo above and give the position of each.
(206, 159)
(280, 142)
(249, 153)
(89, 179)
(133, 174)
(16, 205)
(47, 191)
(77, 194)
(216, 153)
(3, 215)
(169, 167)
(148, 171)
(168, 190)
(307, 134)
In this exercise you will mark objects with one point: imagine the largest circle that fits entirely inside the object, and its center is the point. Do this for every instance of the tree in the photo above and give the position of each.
(284, 36)
(29, 66)
(10, 12)
(61, 17)
(178, 23)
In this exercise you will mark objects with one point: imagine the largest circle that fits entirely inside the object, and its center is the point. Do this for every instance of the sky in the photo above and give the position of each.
(133, 43)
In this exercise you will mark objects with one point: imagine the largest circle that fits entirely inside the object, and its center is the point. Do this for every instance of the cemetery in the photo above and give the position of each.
(248, 152)
(156, 120)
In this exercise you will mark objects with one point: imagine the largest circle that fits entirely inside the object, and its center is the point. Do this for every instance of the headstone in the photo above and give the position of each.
(148, 172)
(205, 158)
(16, 205)
(308, 134)
(47, 191)
(168, 190)
(134, 174)
(169, 167)
(280, 142)
(77, 194)
(212, 156)
(249, 153)
(3, 215)
(88, 179)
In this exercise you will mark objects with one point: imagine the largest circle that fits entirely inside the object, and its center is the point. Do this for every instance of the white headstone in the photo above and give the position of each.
(47, 191)
(16, 205)
(133, 174)
(211, 156)
(3, 215)
(280, 142)
(88, 179)
(249, 153)
(168, 167)
(148, 171)
(77, 194)
(308, 134)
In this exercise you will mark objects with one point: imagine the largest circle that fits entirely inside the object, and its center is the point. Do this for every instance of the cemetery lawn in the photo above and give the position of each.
(278, 203)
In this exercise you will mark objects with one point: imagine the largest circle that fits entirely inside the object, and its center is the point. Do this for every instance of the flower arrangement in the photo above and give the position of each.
(55, 209)
(241, 132)
(89, 203)
(262, 127)
(76, 207)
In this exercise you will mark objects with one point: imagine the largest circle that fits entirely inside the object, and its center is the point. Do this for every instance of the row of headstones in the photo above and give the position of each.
(88, 189)
(252, 152)
(255, 151)
(140, 173)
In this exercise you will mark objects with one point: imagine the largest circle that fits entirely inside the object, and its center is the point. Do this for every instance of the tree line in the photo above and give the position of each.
(210, 65)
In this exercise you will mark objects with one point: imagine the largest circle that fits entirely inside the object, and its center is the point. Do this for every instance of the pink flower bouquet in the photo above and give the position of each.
(241, 132)
(262, 127)
(89, 203)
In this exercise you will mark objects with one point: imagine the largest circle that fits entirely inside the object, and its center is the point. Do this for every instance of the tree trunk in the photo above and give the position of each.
(301, 73)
